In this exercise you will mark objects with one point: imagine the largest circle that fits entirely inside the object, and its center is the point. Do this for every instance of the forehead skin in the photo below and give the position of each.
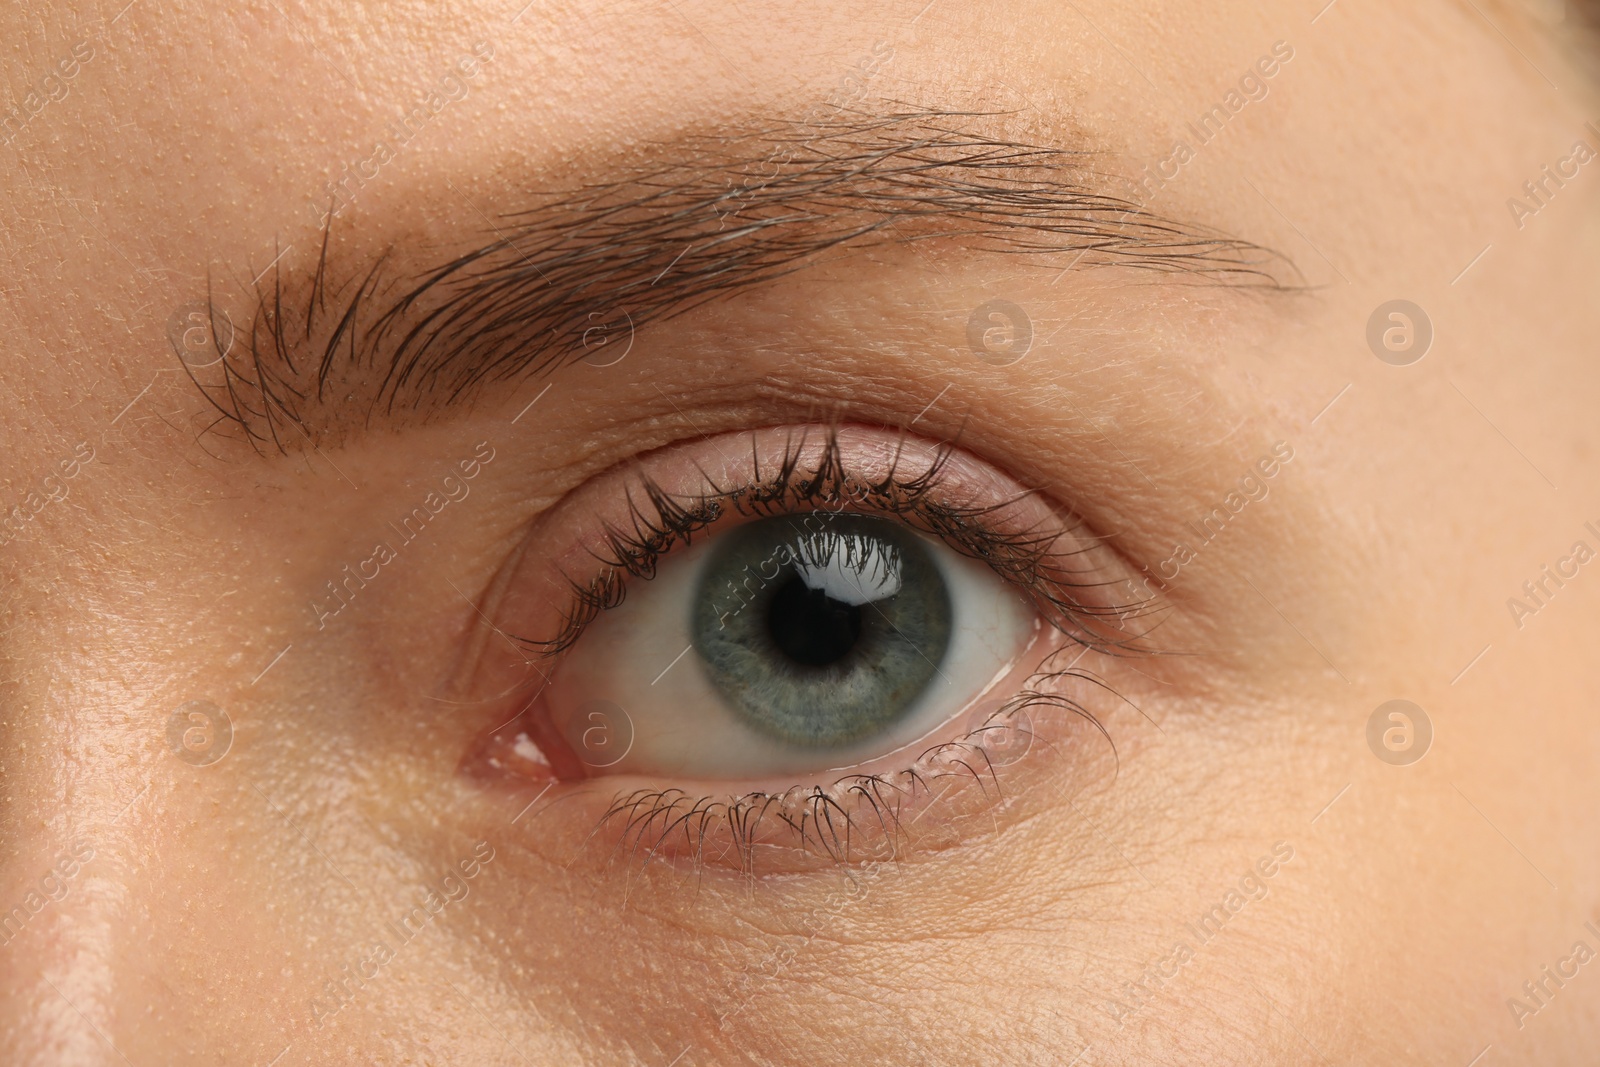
(190, 150)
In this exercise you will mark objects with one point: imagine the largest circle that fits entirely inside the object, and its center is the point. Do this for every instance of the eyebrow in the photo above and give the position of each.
(721, 215)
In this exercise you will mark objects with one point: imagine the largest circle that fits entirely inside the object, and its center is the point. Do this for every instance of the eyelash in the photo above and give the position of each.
(665, 521)
(816, 816)
(819, 817)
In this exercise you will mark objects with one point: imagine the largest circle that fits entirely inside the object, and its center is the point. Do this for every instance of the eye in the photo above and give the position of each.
(757, 637)
(795, 643)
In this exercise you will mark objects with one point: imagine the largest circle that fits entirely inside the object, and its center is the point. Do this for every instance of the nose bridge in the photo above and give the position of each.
(61, 932)
(75, 821)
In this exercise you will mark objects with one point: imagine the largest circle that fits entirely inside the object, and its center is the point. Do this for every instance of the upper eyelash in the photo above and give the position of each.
(1026, 559)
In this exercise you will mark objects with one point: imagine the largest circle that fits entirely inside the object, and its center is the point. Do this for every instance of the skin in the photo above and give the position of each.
(219, 899)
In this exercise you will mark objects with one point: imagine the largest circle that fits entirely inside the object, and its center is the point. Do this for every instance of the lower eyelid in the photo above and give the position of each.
(994, 769)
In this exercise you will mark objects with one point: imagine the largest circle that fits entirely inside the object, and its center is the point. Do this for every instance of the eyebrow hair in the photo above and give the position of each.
(724, 215)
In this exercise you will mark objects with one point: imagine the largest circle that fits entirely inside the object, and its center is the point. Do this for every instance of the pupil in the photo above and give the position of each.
(810, 627)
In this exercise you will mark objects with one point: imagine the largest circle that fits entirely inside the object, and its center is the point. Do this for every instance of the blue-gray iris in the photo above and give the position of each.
(821, 629)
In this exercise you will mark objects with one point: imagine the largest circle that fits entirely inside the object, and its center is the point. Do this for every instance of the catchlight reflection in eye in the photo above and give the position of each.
(800, 642)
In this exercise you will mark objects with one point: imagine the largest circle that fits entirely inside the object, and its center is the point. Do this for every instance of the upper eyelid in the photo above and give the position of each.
(644, 245)
(1023, 557)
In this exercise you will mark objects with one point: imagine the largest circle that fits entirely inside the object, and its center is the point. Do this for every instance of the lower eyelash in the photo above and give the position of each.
(858, 818)
(1026, 558)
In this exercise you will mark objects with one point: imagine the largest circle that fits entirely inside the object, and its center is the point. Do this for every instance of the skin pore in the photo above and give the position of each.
(1247, 879)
